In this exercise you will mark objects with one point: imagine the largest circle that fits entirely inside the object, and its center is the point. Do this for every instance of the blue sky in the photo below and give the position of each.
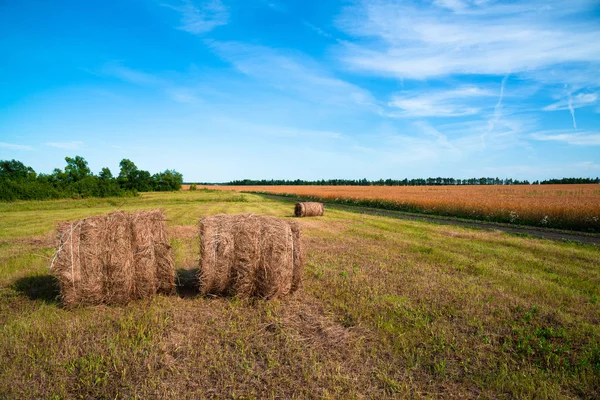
(224, 89)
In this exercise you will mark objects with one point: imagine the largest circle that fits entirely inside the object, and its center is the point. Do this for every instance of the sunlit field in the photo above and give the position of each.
(574, 207)
(389, 309)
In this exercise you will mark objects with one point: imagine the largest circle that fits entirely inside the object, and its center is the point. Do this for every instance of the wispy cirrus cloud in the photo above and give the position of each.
(177, 88)
(13, 146)
(440, 103)
(408, 40)
(74, 145)
(292, 73)
(199, 17)
(587, 138)
(117, 70)
(571, 103)
(577, 101)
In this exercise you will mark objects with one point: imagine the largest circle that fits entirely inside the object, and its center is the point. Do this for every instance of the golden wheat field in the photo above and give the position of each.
(558, 206)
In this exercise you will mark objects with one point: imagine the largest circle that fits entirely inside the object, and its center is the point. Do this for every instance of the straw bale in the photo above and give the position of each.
(309, 209)
(248, 255)
(113, 259)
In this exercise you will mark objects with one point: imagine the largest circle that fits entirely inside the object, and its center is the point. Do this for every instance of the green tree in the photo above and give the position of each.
(144, 181)
(128, 175)
(16, 170)
(76, 169)
(105, 174)
(168, 180)
(107, 185)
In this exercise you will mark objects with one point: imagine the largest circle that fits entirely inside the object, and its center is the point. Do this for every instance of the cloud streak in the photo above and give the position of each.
(588, 138)
(578, 101)
(571, 103)
(497, 112)
(12, 146)
(292, 74)
(199, 17)
(409, 41)
(441, 103)
(117, 70)
(74, 145)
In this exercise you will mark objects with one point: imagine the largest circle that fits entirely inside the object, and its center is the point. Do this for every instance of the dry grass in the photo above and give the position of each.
(389, 309)
(559, 206)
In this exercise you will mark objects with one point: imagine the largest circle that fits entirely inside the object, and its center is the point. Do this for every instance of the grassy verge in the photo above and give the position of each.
(390, 309)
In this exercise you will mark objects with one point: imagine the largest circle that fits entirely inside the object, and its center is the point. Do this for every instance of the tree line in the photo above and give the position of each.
(407, 182)
(21, 182)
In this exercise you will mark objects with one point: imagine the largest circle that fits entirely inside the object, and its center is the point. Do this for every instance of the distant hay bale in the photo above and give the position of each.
(309, 209)
(249, 256)
(113, 259)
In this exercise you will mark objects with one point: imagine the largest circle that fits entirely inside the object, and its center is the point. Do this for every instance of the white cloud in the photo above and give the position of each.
(444, 103)
(578, 101)
(74, 145)
(454, 5)
(183, 95)
(198, 17)
(293, 73)
(421, 42)
(478, 134)
(570, 102)
(273, 130)
(428, 130)
(119, 71)
(588, 138)
(497, 112)
(12, 146)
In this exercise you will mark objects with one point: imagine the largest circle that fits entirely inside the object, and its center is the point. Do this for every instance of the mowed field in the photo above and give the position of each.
(575, 207)
(389, 309)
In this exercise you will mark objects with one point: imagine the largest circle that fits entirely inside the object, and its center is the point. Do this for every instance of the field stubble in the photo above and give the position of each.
(389, 309)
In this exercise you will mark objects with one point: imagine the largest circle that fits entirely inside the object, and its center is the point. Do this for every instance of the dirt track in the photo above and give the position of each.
(519, 230)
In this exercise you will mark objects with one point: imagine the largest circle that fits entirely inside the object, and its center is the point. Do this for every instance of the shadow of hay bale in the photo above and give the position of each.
(38, 287)
(187, 283)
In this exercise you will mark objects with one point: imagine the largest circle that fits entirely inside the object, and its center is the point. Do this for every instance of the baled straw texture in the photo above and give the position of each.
(249, 255)
(113, 259)
(309, 209)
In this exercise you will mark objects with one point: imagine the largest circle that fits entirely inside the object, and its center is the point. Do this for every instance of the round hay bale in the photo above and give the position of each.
(248, 255)
(309, 209)
(113, 259)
